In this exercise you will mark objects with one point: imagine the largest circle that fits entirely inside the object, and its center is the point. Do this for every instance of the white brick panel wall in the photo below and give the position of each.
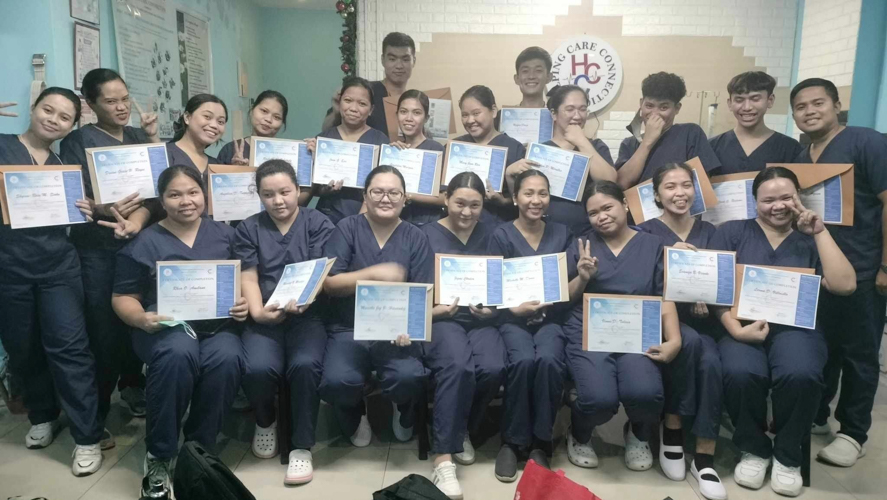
(828, 40)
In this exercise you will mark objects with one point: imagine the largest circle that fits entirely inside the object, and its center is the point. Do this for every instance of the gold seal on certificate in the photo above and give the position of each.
(118, 171)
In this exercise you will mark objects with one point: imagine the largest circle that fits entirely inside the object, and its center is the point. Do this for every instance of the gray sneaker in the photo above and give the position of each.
(134, 397)
(156, 483)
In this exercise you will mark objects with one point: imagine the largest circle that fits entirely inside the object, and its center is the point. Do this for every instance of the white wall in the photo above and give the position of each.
(828, 40)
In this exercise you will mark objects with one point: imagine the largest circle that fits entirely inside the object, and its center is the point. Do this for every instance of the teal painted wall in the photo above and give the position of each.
(868, 68)
(300, 58)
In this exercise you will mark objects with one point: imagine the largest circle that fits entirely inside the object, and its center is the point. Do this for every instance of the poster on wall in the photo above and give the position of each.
(87, 52)
(194, 54)
(592, 64)
(85, 10)
(148, 57)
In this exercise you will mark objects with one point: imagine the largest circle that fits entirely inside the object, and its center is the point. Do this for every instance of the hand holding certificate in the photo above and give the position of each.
(541, 278)
(486, 161)
(621, 323)
(699, 276)
(735, 199)
(197, 290)
(336, 161)
(567, 171)
(642, 202)
(300, 282)
(293, 152)
(118, 171)
(385, 311)
(420, 168)
(41, 196)
(527, 125)
(783, 296)
(232, 193)
(472, 280)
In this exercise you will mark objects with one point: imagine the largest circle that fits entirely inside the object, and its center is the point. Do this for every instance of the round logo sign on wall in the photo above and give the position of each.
(590, 63)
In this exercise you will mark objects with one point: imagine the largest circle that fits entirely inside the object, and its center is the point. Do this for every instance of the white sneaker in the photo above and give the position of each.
(364, 433)
(87, 459)
(710, 485)
(300, 469)
(580, 454)
(638, 455)
(467, 457)
(403, 434)
(786, 480)
(265, 441)
(671, 459)
(107, 441)
(844, 451)
(41, 435)
(444, 477)
(820, 430)
(751, 471)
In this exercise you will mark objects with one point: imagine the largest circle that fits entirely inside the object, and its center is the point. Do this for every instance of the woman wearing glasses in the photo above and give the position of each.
(376, 245)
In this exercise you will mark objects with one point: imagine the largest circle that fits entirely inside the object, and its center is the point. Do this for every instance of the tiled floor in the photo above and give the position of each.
(344, 472)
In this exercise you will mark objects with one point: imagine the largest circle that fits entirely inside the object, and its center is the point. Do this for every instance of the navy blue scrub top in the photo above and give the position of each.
(572, 213)
(377, 118)
(681, 142)
(346, 201)
(73, 152)
(442, 240)
(699, 236)
(866, 149)
(748, 240)
(777, 148)
(177, 156)
(354, 246)
(495, 214)
(136, 271)
(226, 154)
(39, 253)
(423, 214)
(259, 244)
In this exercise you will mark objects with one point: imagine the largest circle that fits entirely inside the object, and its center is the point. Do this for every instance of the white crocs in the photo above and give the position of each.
(844, 451)
(300, 469)
(265, 441)
(638, 456)
(580, 454)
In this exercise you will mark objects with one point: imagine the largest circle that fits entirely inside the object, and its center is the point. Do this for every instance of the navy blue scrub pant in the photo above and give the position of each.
(534, 386)
(292, 349)
(109, 337)
(853, 326)
(467, 369)
(788, 366)
(203, 372)
(348, 365)
(44, 333)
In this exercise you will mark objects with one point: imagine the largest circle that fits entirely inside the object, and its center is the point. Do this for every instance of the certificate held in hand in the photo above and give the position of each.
(642, 202)
(527, 125)
(293, 152)
(118, 171)
(420, 168)
(540, 278)
(621, 323)
(699, 276)
(336, 160)
(301, 282)
(567, 171)
(784, 296)
(41, 196)
(826, 188)
(384, 311)
(486, 161)
(473, 280)
(232, 193)
(735, 198)
(195, 290)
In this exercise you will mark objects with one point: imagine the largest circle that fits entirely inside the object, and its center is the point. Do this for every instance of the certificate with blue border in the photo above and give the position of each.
(336, 161)
(119, 171)
(193, 290)
(486, 161)
(735, 198)
(621, 323)
(699, 276)
(301, 281)
(384, 311)
(527, 125)
(567, 171)
(472, 279)
(420, 168)
(232, 193)
(41, 196)
(540, 278)
(293, 152)
(784, 296)
(642, 203)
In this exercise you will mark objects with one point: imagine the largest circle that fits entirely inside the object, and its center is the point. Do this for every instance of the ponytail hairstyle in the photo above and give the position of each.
(468, 180)
(270, 94)
(191, 107)
(91, 88)
(771, 173)
(67, 94)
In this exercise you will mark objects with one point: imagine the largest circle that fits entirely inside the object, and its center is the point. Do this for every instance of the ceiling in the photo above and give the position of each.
(298, 4)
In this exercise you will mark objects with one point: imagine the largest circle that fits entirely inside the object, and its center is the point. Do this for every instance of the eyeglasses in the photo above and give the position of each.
(378, 194)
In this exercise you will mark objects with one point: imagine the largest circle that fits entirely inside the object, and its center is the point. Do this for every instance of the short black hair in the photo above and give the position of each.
(397, 39)
(383, 169)
(830, 89)
(174, 171)
(356, 81)
(751, 81)
(664, 86)
(559, 94)
(660, 174)
(608, 188)
(530, 54)
(273, 167)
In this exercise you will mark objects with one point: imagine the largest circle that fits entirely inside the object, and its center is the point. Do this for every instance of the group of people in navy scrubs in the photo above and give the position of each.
(79, 307)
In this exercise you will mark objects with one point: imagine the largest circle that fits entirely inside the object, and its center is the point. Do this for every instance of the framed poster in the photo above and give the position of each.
(85, 10)
(87, 52)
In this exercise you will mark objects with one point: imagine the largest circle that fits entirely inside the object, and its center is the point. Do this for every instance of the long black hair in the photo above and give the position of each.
(191, 107)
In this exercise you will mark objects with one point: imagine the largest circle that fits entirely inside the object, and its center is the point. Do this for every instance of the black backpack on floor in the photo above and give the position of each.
(412, 487)
(202, 476)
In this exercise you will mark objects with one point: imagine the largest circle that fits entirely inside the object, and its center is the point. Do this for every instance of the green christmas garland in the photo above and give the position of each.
(348, 10)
